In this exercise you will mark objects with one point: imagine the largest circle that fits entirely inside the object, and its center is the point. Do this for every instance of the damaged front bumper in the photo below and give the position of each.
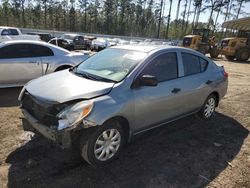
(60, 137)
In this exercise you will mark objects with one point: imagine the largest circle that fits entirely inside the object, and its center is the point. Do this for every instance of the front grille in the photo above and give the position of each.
(44, 112)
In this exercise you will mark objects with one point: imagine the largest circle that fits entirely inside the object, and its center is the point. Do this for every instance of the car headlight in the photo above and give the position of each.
(73, 114)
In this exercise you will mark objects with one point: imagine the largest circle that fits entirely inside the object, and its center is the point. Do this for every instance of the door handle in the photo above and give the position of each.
(209, 82)
(176, 90)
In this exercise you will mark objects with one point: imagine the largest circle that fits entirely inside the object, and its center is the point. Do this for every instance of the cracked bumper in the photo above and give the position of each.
(62, 138)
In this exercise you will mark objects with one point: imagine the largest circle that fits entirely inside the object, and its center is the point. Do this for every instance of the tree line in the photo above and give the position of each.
(144, 18)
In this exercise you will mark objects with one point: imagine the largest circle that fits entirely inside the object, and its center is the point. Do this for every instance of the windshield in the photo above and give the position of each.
(111, 64)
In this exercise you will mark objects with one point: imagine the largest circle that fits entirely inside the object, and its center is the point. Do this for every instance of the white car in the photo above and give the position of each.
(12, 33)
(24, 60)
(99, 44)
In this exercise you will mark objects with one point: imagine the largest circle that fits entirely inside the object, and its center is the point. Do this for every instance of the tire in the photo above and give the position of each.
(208, 108)
(91, 144)
(230, 58)
(214, 52)
(243, 54)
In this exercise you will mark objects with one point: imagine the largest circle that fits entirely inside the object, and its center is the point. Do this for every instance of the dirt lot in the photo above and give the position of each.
(186, 153)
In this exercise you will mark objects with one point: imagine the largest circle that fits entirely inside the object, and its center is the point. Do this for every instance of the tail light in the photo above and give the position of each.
(225, 74)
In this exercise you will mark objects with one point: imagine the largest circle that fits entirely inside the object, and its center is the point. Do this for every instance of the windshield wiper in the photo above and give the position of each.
(90, 76)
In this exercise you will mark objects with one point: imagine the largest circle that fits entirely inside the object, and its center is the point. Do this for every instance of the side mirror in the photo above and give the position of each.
(148, 80)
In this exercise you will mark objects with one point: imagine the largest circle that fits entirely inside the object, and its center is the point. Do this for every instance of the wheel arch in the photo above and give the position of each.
(216, 94)
(62, 67)
(124, 124)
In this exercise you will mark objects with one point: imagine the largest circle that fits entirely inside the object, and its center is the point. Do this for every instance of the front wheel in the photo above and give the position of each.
(103, 145)
(208, 108)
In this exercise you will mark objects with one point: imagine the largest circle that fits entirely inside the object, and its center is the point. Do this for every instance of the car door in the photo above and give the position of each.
(47, 56)
(18, 64)
(154, 105)
(196, 81)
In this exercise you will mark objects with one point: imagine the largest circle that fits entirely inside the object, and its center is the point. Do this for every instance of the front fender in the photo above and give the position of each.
(106, 108)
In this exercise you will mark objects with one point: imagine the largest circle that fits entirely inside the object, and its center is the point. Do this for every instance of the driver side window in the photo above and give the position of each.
(164, 67)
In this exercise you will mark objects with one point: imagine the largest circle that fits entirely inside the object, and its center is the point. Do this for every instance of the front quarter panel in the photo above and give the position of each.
(118, 103)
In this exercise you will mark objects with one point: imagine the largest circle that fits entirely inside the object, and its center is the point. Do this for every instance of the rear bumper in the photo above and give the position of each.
(62, 138)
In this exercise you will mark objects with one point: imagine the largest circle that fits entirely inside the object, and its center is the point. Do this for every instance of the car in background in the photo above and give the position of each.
(99, 44)
(43, 36)
(62, 43)
(12, 33)
(121, 92)
(88, 39)
(76, 41)
(122, 42)
(113, 41)
(22, 61)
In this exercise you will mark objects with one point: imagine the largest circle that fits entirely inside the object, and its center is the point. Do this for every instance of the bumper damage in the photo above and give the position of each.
(62, 137)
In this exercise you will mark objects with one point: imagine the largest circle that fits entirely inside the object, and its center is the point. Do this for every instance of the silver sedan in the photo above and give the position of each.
(22, 61)
(118, 93)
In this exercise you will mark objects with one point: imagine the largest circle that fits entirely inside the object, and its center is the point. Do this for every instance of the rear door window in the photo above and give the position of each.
(193, 64)
(41, 51)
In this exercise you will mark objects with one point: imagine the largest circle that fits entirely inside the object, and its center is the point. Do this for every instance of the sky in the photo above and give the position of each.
(204, 15)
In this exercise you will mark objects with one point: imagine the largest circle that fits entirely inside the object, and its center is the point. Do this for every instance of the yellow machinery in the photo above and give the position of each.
(200, 41)
(237, 47)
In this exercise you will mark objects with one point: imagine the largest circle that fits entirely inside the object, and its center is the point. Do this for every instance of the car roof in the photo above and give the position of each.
(154, 48)
(38, 42)
(6, 27)
(72, 34)
(145, 48)
(24, 41)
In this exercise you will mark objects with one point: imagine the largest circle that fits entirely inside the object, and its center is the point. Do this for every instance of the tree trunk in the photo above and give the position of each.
(169, 15)
(216, 19)
(23, 15)
(227, 10)
(211, 15)
(238, 12)
(195, 11)
(159, 24)
(189, 7)
(197, 16)
(184, 15)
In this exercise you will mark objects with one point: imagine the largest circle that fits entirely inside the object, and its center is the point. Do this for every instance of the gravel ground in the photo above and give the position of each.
(186, 153)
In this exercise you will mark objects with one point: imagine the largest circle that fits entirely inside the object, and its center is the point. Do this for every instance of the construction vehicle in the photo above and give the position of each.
(201, 41)
(237, 47)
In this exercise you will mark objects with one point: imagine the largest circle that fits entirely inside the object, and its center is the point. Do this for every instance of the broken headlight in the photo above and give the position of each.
(73, 114)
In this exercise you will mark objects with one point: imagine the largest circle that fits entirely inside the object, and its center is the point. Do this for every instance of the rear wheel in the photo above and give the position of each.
(102, 145)
(230, 58)
(208, 108)
(243, 54)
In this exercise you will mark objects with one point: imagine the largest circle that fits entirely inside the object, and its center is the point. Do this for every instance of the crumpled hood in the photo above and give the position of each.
(65, 86)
